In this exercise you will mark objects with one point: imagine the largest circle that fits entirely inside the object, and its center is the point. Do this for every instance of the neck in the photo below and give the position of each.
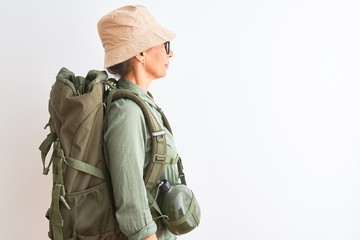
(141, 82)
(139, 77)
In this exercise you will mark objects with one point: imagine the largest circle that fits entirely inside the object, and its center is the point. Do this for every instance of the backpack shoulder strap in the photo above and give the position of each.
(159, 146)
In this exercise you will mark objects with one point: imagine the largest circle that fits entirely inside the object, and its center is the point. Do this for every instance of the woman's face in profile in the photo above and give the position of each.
(157, 61)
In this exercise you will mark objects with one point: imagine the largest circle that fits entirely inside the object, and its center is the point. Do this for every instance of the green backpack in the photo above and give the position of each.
(81, 201)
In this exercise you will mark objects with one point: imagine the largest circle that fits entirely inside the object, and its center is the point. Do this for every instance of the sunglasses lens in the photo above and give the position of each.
(167, 47)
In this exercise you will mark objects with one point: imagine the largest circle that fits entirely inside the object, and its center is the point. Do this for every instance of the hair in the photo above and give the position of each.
(120, 69)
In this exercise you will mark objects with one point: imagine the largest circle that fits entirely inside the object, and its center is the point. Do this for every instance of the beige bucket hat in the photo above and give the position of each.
(128, 31)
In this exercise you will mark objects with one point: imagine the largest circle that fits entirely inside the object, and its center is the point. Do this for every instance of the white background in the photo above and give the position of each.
(263, 97)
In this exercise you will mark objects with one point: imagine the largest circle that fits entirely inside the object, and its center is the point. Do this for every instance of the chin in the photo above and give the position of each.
(161, 75)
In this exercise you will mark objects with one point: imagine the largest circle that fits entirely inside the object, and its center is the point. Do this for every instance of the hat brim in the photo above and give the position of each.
(153, 37)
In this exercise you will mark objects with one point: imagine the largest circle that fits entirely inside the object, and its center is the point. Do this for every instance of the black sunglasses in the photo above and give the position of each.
(167, 47)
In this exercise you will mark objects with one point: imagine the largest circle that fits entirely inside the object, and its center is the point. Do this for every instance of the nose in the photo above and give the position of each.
(171, 53)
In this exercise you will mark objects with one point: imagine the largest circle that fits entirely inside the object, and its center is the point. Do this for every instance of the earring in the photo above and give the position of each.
(142, 60)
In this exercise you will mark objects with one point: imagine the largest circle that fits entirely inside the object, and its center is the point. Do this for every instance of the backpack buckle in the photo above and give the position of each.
(159, 159)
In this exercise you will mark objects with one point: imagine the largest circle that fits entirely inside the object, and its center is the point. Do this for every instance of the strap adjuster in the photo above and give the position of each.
(159, 159)
(158, 133)
(164, 159)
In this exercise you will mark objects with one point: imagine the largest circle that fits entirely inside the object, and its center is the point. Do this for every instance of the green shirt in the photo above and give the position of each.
(128, 143)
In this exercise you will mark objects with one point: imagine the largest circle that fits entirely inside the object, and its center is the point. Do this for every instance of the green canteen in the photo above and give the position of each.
(179, 204)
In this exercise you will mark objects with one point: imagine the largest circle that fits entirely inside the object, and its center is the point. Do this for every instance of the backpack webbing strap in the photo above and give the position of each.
(76, 164)
(44, 148)
(57, 220)
(181, 172)
(58, 192)
(153, 203)
(84, 167)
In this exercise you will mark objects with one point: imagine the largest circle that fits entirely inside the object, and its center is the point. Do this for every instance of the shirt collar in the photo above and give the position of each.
(123, 83)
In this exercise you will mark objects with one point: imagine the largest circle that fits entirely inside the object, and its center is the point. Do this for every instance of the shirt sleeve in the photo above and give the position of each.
(125, 140)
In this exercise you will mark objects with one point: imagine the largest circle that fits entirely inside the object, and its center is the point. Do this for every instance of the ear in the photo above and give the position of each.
(140, 57)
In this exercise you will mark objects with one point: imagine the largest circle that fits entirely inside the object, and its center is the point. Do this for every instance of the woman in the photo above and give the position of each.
(137, 50)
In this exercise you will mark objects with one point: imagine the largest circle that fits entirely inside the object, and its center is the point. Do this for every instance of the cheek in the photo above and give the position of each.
(158, 61)
(156, 68)
(159, 57)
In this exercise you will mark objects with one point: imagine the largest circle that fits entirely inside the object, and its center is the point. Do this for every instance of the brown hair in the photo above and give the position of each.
(120, 69)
